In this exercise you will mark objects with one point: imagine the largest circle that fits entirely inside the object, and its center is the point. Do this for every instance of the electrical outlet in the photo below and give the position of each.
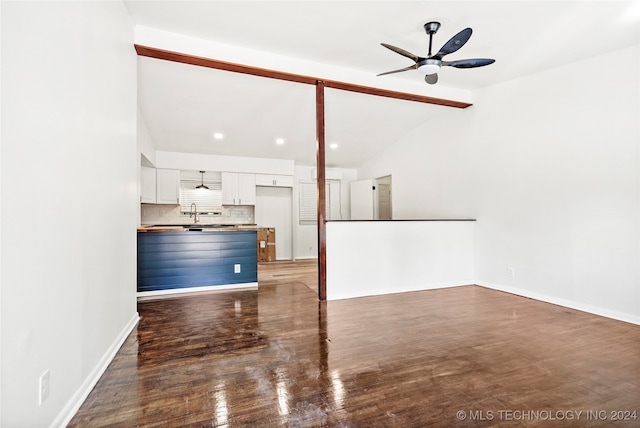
(236, 268)
(43, 387)
(511, 272)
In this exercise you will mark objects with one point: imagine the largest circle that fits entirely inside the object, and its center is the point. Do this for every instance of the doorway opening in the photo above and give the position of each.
(273, 210)
(383, 198)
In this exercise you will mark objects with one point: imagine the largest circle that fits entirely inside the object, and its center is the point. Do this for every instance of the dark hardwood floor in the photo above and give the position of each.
(273, 357)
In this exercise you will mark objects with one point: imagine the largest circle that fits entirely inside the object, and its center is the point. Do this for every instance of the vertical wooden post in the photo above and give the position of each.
(322, 201)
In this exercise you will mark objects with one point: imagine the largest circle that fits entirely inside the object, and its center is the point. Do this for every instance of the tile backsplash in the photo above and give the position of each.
(170, 214)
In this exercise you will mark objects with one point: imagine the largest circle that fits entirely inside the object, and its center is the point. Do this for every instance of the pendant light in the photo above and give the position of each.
(201, 185)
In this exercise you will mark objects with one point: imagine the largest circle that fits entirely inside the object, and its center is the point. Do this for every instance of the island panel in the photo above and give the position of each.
(175, 260)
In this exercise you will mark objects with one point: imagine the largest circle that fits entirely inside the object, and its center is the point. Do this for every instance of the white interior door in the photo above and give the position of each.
(273, 209)
(362, 200)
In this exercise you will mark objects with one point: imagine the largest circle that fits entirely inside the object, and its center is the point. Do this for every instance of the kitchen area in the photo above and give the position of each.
(208, 229)
(251, 141)
(215, 218)
(253, 211)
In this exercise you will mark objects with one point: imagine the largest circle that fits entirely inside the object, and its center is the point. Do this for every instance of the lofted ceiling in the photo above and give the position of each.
(184, 105)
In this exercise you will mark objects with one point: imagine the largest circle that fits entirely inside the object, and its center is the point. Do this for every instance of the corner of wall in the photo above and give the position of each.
(146, 148)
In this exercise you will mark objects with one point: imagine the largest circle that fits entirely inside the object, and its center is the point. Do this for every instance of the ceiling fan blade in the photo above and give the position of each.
(402, 52)
(454, 43)
(411, 67)
(431, 79)
(469, 63)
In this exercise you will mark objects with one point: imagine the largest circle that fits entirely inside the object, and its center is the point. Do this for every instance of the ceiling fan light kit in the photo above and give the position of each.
(431, 65)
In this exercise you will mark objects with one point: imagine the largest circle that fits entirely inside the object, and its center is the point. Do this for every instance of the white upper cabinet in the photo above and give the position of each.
(247, 189)
(229, 188)
(271, 180)
(147, 185)
(238, 188)
(167, 186)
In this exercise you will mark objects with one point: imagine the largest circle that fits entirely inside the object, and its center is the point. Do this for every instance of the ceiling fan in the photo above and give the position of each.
(431, 64)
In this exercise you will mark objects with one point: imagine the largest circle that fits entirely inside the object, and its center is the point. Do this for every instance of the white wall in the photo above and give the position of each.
(1, 237)
(69, 200)
(549, 165)
(198, 162)
(145, 142)
(561, 199)
(146, 150)
(425, 165)
(370, 258)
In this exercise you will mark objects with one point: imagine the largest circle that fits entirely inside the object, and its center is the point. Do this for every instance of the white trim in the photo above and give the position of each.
(311, 257)
(73, 405)
(564, 302)
(396, 290)
(245, 285)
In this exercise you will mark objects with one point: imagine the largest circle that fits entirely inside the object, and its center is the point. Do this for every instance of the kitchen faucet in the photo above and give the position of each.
(193, 212)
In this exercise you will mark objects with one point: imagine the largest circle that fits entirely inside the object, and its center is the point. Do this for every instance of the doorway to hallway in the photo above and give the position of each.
(273, 209)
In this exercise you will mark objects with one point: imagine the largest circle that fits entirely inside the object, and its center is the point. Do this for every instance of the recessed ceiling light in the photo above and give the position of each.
(218, 135)
(280, 141)
(333, 146)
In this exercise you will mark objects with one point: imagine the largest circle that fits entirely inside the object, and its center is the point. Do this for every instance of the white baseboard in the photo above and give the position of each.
(72, 406)
(245, 285)
(380, 292)
(564, 302)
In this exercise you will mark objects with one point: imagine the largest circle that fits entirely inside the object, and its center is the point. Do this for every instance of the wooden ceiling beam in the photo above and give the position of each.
(291, 77)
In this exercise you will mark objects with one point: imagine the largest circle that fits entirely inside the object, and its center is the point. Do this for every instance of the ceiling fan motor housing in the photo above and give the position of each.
(431, 27)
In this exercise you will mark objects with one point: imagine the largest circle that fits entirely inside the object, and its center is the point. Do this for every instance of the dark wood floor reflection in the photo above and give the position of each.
(465, 356)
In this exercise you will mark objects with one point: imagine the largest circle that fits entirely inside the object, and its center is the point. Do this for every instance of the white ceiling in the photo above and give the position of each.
(183, 105)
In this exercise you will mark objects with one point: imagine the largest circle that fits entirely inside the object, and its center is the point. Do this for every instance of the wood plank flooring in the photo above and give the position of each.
(286, 271)
(276, 357)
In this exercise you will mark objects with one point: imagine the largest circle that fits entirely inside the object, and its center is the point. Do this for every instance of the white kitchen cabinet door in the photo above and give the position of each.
(274, 180)
(147, 185)
(168, 186)
(229, 188)
(264, 180)
(238, 189)
(246, 189)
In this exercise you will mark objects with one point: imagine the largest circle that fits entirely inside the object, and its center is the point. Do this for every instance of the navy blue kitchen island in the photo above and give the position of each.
(181, 260)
